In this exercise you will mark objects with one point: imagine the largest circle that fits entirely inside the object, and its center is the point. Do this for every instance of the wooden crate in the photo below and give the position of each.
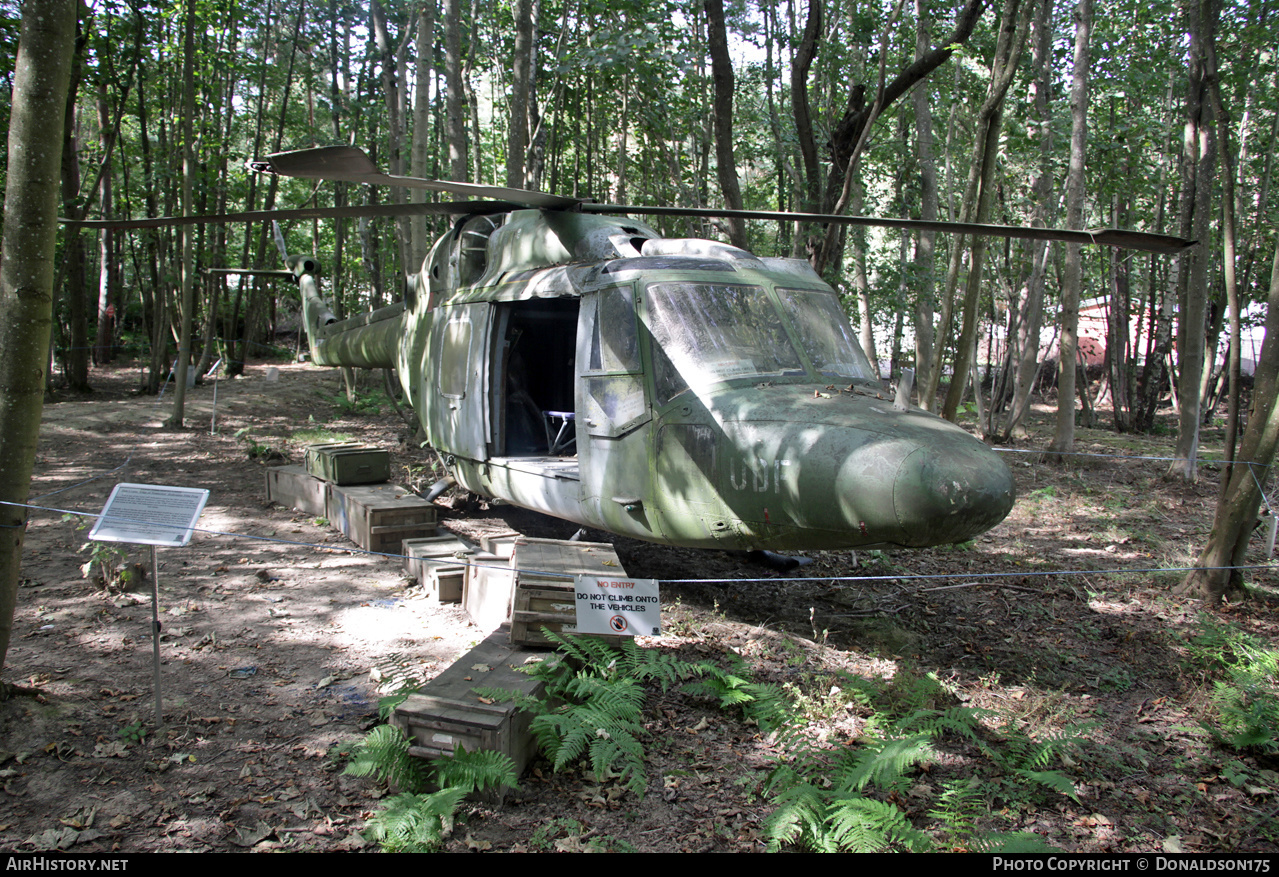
(348, 463)
(447, 713)
(439, 564)
(293, 487)
(487, 596)
(502, 544)
(543, 593)
(379, 518)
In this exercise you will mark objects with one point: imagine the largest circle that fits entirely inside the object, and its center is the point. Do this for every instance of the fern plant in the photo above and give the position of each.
(836, 819)
(765, 705)
(593, 704)
(414, 823)
(1246, 702)
(415, 820)
(1029, 761)
(384, 754)
(960, 809)
(834, 799)
(824, 802)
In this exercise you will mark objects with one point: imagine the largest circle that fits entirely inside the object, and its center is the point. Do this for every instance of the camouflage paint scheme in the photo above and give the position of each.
(800, 457)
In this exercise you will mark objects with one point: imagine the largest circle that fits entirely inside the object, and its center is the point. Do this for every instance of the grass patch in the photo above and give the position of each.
(316, 435)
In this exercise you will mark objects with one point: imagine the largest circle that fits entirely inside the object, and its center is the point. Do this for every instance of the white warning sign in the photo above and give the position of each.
(622, 607)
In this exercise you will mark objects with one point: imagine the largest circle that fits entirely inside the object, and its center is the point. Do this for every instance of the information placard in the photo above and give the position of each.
(150, 514)
(622, 607)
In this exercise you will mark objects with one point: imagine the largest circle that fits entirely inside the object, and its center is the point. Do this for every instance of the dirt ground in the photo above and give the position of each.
(277, 644)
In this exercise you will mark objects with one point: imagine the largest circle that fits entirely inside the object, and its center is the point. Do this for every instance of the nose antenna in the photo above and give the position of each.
(904, 385)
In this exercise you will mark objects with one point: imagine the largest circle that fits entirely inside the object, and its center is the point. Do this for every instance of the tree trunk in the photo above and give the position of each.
(108, 267)
(1067, 346)
(1228, 263)
(454, 119)
(925, 246)
(393, 93)
(722, 77)
(1014, 25)
(175, 419)
(41, 75)
(848, 133)
(75, 290)
(420, 230)
(1217, 575)
(1199, 160)
(1024, 355)
(522, 65)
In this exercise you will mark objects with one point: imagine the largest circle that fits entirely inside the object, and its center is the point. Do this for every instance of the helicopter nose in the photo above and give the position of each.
(951, 492)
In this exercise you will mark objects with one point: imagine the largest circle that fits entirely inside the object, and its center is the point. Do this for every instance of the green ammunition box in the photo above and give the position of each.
(348, 463)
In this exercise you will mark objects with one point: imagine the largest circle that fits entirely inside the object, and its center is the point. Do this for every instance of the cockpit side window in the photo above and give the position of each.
(709, 332)
(825, 334)
(614, 342)
(612, 402)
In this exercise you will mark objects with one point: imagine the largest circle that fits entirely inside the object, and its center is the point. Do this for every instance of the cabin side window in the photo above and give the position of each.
(455, 357)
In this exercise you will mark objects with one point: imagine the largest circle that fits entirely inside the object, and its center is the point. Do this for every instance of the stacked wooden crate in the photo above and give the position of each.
(294, 487)
(545, 575)
(334, 484)
(533, 586)
(448, 713)
(380, 517)
(348, 463)
(439, 564)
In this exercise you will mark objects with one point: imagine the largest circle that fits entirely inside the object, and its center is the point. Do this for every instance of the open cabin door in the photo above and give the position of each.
(532, 405)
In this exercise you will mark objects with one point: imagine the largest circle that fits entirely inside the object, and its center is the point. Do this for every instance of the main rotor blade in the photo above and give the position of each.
(452, 208)
(1112, 237)
(351, 164)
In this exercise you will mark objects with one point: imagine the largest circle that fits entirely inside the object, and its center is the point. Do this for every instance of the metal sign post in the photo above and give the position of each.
(149, 514)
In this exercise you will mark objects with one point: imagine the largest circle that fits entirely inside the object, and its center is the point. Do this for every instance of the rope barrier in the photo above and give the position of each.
(453, 561)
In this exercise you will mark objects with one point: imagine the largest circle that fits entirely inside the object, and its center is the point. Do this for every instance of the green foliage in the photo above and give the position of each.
(106, 565)
(766, 705)
(566, 835)
(135, 732)
(480, 771)
(1025, 761)
(823, 795)
(1246, 700)
(415, 820)
(257, 450)
(410, 823)
(847, 798)
(365, 403)
(593, 704)
(837, 819)
(384, 754)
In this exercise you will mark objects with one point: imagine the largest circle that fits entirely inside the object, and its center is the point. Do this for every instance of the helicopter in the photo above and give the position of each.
(567, 358)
